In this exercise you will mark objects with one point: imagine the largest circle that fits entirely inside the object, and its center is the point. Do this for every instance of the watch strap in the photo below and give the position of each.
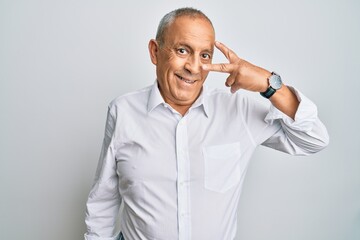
(268, 93)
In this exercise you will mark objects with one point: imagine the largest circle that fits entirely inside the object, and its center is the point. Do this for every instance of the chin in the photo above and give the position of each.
(188, 98)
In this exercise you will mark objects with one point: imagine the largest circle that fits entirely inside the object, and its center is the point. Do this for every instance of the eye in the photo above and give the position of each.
(182, 51)
(206, 56)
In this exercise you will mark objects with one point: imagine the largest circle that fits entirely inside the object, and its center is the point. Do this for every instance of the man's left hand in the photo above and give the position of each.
(253, 78)
(243, 75)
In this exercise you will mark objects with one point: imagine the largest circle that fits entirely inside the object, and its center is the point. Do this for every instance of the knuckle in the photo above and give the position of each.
(223, 67)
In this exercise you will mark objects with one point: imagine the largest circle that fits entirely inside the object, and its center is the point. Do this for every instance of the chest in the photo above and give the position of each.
(154, 149)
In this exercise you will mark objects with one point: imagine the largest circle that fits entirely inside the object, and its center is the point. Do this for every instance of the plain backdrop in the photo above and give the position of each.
(62, 62)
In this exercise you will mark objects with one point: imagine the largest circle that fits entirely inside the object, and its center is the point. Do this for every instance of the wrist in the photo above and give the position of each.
(265, 81)
(274, 84)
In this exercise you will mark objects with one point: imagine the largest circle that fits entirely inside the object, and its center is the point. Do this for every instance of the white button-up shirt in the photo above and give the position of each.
(180, 177)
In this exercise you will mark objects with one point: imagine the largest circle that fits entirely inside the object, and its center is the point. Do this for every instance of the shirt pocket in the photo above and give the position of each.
(222, 166)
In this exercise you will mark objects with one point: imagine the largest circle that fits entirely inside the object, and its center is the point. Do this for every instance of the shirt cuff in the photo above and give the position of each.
(305, 116)
(89, 237)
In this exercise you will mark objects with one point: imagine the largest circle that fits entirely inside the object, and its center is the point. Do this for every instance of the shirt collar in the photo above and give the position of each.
(202, 101)
(155, 99)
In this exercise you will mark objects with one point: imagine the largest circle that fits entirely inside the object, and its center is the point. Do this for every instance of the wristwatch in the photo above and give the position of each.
(275, 83)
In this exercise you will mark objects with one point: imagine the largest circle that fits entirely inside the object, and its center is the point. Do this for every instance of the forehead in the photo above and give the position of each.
(193, 31)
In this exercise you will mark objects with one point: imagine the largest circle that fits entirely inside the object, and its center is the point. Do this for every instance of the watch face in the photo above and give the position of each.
(275, 81)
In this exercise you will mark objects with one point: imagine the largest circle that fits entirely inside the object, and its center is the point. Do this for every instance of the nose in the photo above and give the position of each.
(193, 64)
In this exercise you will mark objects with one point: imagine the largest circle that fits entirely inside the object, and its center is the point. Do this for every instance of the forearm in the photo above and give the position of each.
(286, 101)
(283, 99)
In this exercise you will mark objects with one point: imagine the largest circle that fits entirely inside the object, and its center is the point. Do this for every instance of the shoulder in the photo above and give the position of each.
(131, 101)
(241, 102)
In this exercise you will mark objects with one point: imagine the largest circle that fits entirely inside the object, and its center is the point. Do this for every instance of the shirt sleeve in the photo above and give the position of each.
(304, 135)
(104, 199)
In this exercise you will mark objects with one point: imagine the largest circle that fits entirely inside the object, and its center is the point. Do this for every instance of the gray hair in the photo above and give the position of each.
(170, 17)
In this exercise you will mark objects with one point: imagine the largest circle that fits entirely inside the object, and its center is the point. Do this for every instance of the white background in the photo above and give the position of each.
(62, 62)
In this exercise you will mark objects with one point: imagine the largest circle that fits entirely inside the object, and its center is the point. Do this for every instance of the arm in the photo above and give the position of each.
(291, 125)
(286, 101)
(104, 199)
(244, 75)
(303, 135)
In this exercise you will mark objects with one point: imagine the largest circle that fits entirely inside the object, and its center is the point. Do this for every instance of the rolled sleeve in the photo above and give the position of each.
(305, 116)
(303, 135)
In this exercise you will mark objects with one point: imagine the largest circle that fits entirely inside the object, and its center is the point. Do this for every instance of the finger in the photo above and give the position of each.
(219, 67)
(229, 54)
(230, 81)
(234, 88)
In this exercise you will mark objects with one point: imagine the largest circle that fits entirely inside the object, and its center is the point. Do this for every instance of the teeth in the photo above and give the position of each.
(185, 80)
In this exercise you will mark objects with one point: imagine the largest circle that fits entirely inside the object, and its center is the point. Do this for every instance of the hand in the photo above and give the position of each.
(242, 73)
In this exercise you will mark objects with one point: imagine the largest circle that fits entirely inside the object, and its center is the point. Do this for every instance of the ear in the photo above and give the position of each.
(153, 50)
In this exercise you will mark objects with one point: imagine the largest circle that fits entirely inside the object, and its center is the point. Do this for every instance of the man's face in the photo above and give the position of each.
(188, 43)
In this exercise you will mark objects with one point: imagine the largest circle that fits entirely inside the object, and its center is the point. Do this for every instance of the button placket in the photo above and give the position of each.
(183, 176)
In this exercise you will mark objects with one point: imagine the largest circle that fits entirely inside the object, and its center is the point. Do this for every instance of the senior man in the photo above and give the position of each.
(175, 154)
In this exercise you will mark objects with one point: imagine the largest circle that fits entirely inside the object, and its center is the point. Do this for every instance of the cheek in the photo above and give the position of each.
(177, 63)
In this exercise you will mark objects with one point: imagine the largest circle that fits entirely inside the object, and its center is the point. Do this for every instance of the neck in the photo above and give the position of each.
(182, 109)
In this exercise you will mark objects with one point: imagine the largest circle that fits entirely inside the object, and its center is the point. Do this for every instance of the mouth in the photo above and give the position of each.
(188, 81)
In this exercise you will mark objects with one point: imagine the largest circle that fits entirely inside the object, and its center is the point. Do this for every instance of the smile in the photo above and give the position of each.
(186, 80)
